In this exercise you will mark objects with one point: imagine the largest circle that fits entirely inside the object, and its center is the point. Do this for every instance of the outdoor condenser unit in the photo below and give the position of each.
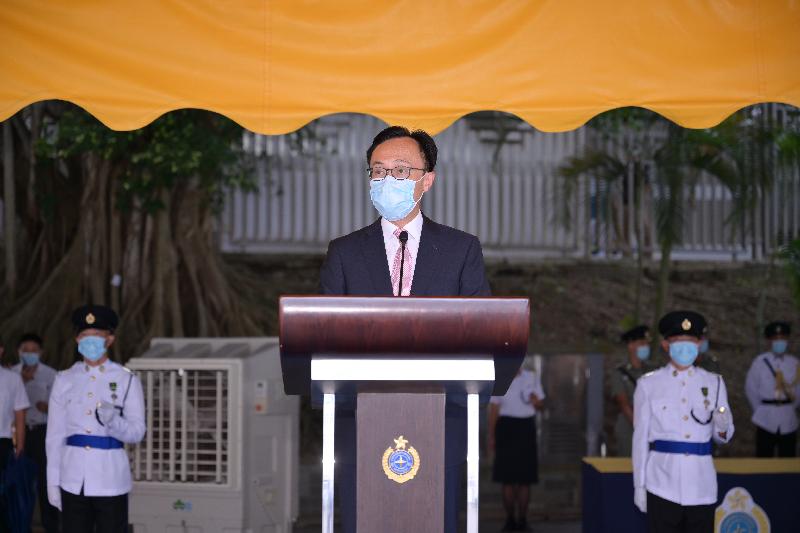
(221, 450)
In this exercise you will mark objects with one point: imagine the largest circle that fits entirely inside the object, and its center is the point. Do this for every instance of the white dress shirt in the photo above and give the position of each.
(516, 402)
(392, 243)
(760, 385)
(663, 405)
(76, 394)
(38, 390)
(12, 399)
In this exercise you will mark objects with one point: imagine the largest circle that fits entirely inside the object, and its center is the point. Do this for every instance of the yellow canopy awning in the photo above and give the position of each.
(274, 65)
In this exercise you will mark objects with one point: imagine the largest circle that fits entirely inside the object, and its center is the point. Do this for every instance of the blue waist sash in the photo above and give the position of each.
(93, 441)
(691, 448)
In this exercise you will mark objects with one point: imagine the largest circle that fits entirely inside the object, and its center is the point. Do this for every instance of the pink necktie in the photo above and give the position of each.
(408, 270)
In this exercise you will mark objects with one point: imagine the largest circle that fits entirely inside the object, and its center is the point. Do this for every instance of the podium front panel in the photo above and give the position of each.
(400, 465)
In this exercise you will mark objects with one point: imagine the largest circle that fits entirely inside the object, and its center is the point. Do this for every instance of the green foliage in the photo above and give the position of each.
(674, 176)
(615, 122)
(181, 146)
(740, 152)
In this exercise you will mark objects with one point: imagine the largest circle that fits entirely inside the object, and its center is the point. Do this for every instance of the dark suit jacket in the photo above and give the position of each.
(449, 263)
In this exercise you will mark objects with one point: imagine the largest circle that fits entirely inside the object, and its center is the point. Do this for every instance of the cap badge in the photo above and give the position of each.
(90, 319)
(777, 329)
(686, 325)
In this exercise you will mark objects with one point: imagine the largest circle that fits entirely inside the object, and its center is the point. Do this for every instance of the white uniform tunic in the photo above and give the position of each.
(517, 401)
(76, 394)
(12, 398)
(761, 385)
(38, 390)
(663, 404)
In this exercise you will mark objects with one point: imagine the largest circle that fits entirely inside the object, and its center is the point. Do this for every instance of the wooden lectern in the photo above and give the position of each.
(400, 358)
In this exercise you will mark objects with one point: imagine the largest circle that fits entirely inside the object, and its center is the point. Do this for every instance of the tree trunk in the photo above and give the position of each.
(160, 267)
(762, 303)
(9, 210)
(664, 268)
(638, 180)
(115, 248)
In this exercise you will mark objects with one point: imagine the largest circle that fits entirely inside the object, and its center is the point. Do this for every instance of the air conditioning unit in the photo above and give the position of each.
(221, 450)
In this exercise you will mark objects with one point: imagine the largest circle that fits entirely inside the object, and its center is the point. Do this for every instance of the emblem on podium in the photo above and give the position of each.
(740, 514)
(400, 464)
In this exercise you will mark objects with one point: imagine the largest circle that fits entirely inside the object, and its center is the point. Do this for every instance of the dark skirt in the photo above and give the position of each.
(515, 459)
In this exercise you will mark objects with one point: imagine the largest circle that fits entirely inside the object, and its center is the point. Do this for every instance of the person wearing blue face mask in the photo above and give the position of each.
(679, 410)
(623, 384)
(96, 407)
(38, 378)
(706, 359)
(403, 253)
(773, 391)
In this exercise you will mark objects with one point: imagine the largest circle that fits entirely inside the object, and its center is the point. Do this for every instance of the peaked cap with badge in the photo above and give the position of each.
(636, 333)
(94, 317)
(773, 329)
(682, 323)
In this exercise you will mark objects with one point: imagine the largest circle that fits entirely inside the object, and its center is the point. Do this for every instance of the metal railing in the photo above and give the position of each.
(499, 180)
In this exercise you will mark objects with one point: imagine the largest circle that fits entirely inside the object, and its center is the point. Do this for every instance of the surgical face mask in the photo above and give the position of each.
(683, 352)
(779, 346)
(29, 358)
(704, 346)
(92, 348)
(393, 198)
(643, 352)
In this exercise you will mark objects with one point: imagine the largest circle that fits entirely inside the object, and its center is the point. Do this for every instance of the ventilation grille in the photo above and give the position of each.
(188, 425)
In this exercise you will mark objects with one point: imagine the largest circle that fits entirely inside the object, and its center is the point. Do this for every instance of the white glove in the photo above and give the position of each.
(106, 413)
(722, 420)
(640, 498)
(54, 496)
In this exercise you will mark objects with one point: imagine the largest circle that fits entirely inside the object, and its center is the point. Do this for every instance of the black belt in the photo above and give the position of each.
(776, 402)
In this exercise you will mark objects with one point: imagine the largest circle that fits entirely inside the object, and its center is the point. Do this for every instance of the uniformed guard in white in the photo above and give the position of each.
(13, 403)
(96, 407)
(773, 390)
(38, 379)
(679, 410)
(512, 438)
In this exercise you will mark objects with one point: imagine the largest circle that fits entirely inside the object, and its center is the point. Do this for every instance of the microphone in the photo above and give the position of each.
(403, 239)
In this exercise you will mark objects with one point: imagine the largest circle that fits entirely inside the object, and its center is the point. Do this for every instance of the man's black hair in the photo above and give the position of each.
(30, 337)
(427, 146)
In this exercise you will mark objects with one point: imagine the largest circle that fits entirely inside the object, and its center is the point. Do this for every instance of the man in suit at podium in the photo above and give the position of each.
(403, 253)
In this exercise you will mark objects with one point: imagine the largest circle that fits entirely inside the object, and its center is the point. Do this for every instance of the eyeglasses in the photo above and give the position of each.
(398, 173)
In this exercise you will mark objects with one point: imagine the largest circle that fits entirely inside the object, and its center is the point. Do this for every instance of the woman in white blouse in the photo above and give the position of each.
(512, 439)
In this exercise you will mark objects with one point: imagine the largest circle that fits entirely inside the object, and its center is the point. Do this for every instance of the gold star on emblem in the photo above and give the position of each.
(400, 443)
(738, 500)
(686, 325)
(90, 319)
